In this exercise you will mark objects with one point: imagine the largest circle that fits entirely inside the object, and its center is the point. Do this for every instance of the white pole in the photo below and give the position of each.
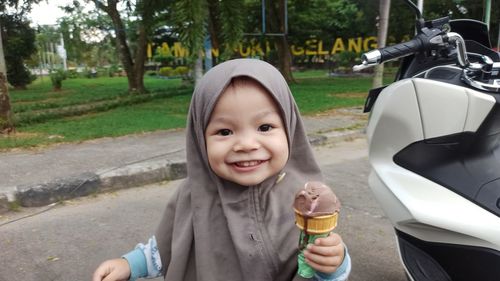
(63, 53)
(487, 13)
(498, 39)
(52, 55)
(3, 67)
(420, 6)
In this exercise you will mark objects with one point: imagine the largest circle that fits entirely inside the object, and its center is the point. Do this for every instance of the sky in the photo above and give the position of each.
(44, 13)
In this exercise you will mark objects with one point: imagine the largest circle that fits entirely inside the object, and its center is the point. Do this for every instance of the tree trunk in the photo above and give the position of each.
(284, 58)
(6, 125)
(277, 22)
(198, 67)
(140, 58)
(212, 24)
(134, 73)
(123, 49)
(286, 55)
(383, 26)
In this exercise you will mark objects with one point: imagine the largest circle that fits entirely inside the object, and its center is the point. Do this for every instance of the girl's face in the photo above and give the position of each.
(245, 137)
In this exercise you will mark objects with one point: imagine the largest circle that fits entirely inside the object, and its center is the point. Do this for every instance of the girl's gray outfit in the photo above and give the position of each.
(213, 229)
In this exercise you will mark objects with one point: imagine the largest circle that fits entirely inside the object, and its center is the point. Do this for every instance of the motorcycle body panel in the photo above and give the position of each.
(414, 127)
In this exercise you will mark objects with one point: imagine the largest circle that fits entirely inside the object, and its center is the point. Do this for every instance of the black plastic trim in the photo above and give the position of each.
(371, 98)
(443, 261)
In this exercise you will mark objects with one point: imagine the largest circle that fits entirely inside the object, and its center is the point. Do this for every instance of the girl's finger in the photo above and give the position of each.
(327, 251)
(322, 263)
(331, 240)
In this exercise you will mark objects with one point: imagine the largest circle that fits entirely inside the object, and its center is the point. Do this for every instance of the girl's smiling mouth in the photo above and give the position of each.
(248, 163)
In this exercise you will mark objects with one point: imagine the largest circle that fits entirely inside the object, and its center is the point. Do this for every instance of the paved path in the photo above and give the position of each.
(39, 177)
(68, 241)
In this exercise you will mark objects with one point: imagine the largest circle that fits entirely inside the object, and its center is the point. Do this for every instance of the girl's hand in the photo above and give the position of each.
(327, 253)
(112, 270)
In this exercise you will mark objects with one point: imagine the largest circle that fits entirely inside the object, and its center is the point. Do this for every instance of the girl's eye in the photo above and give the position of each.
(265, 128)
(224, 132)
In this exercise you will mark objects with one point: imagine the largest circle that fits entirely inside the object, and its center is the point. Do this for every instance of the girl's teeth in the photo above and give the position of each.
(248, 163)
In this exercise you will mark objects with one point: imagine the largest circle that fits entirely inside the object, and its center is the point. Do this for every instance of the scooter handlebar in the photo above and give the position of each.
(381, 55)
(400, 50)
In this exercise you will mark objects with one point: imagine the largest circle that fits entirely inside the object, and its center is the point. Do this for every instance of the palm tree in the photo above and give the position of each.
(196, 19)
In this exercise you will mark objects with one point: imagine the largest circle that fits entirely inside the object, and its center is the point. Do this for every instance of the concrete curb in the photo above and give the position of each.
(4, 204)
(92, 183)
(138, 174)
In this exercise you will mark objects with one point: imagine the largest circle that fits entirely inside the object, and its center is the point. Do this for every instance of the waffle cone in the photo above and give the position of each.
(316, 225)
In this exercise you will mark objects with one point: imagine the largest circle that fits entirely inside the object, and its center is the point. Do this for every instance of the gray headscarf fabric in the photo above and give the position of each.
(213, 229)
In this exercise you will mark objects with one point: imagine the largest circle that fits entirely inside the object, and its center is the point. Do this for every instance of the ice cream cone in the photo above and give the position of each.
(316, 212)
(316, 225)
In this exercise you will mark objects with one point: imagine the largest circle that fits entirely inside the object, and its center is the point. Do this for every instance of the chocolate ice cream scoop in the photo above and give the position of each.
(316, 199)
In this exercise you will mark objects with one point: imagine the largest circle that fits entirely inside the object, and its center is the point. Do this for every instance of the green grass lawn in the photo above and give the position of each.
(314, 95)
(94, 108)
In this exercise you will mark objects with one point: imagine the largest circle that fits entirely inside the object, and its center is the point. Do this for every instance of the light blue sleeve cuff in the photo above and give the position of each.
(340, 274)
(137, 263)
(152, 255)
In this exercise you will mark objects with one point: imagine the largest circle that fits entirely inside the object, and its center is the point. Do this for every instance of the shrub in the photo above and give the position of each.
(72, 73)
(150, 73)
(102, 72)
(113, 70)
(182, 71)
(345, 60)
(18, 75)
(164, 59)
(91, 72)
(166, 71)
(56, 77)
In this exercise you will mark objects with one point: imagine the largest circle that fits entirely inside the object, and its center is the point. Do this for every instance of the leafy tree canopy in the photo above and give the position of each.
(21, 6)
(19, 44)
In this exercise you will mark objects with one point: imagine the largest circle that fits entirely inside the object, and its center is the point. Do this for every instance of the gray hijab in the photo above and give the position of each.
(214, 229)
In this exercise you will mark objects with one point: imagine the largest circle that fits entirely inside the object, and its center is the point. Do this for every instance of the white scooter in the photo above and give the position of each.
(434, 149)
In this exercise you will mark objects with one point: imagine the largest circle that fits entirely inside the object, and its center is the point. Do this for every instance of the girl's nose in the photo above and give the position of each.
(246, 142)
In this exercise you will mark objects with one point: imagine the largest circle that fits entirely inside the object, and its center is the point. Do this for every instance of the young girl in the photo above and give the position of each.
(232, 218)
